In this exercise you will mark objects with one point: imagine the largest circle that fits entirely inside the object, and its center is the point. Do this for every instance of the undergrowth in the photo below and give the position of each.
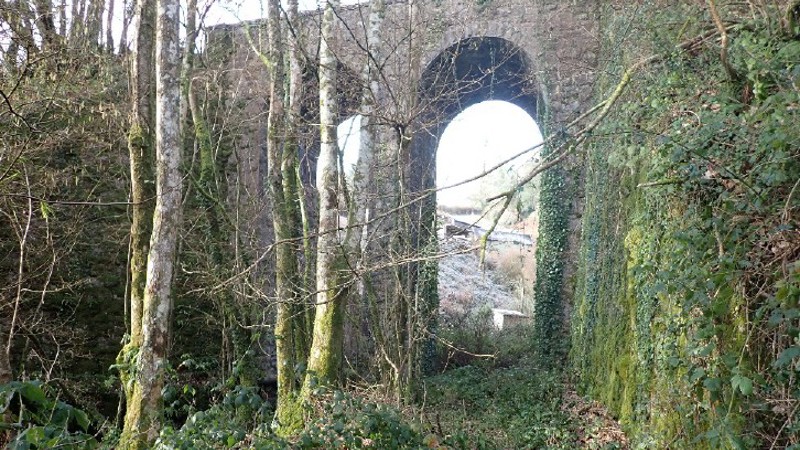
(506, 400)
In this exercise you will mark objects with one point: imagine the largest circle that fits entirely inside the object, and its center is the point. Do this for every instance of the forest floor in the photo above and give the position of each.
(491, 387)
(507, 402)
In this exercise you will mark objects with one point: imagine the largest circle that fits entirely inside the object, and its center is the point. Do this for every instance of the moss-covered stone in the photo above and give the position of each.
(670, 327)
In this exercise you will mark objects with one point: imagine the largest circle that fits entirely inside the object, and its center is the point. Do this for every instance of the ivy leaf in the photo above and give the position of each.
(742, 384)
(786, 356)
(712, 384)
(697, 373)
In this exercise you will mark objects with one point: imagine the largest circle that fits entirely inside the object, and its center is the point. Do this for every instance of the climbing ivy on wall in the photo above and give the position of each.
(686, 314)
(553, 213)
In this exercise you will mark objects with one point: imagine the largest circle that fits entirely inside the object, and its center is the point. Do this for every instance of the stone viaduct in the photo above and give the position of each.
(440, 57)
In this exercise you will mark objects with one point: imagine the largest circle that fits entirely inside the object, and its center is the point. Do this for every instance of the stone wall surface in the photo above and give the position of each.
(558, 38)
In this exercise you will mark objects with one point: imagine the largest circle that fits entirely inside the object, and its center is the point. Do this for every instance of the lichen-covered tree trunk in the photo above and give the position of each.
(324, 361)
(143, 415)
(281, 160)
(388, 355)
(292, 187)
(141, 154)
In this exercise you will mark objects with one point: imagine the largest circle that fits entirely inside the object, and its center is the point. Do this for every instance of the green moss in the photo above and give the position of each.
(289, 416)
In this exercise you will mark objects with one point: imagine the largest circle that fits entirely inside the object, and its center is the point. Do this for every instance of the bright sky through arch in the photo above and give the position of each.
(477, 139)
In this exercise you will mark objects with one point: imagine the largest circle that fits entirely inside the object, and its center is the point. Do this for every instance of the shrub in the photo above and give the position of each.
(346, 421)
(241, 419)
(38, 421)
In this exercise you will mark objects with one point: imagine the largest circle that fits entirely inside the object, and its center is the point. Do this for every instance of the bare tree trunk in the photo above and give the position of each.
(46, 24)
(362, 178)
(76, 22)
(126, 20)
(94, 23)
(325, 357)
(292, 185)
(62, 19)
(143, 416)
(188, 61)
(387, 355)
(109, 27)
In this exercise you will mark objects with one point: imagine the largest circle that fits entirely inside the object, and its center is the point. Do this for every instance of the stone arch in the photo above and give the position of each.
(490, 30)
(471, 71)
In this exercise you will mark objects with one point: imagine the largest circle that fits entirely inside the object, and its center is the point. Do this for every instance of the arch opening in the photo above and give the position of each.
(472, 71)
(480, 101)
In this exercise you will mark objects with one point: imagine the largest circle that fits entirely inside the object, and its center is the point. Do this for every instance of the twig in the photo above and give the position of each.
(72, 203)
(11, 110)
(723, 33)
(460, 350)
(786, 214)
(21, 269)
(660, 183)
(785, 423)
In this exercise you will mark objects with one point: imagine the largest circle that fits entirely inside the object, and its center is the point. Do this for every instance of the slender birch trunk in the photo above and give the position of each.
(325, 357)
(143, 416)
(389, 332)
(188, 64)
(126, 21)
(76, 22)
(62, 19)
(362, 178)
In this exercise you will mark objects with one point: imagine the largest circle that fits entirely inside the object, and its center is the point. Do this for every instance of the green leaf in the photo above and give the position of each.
(712, 384)
(705, 351)
(81, 418)
(33, 393)
(45, 209)
(742, 384)
(697, 373)
(786, 357)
